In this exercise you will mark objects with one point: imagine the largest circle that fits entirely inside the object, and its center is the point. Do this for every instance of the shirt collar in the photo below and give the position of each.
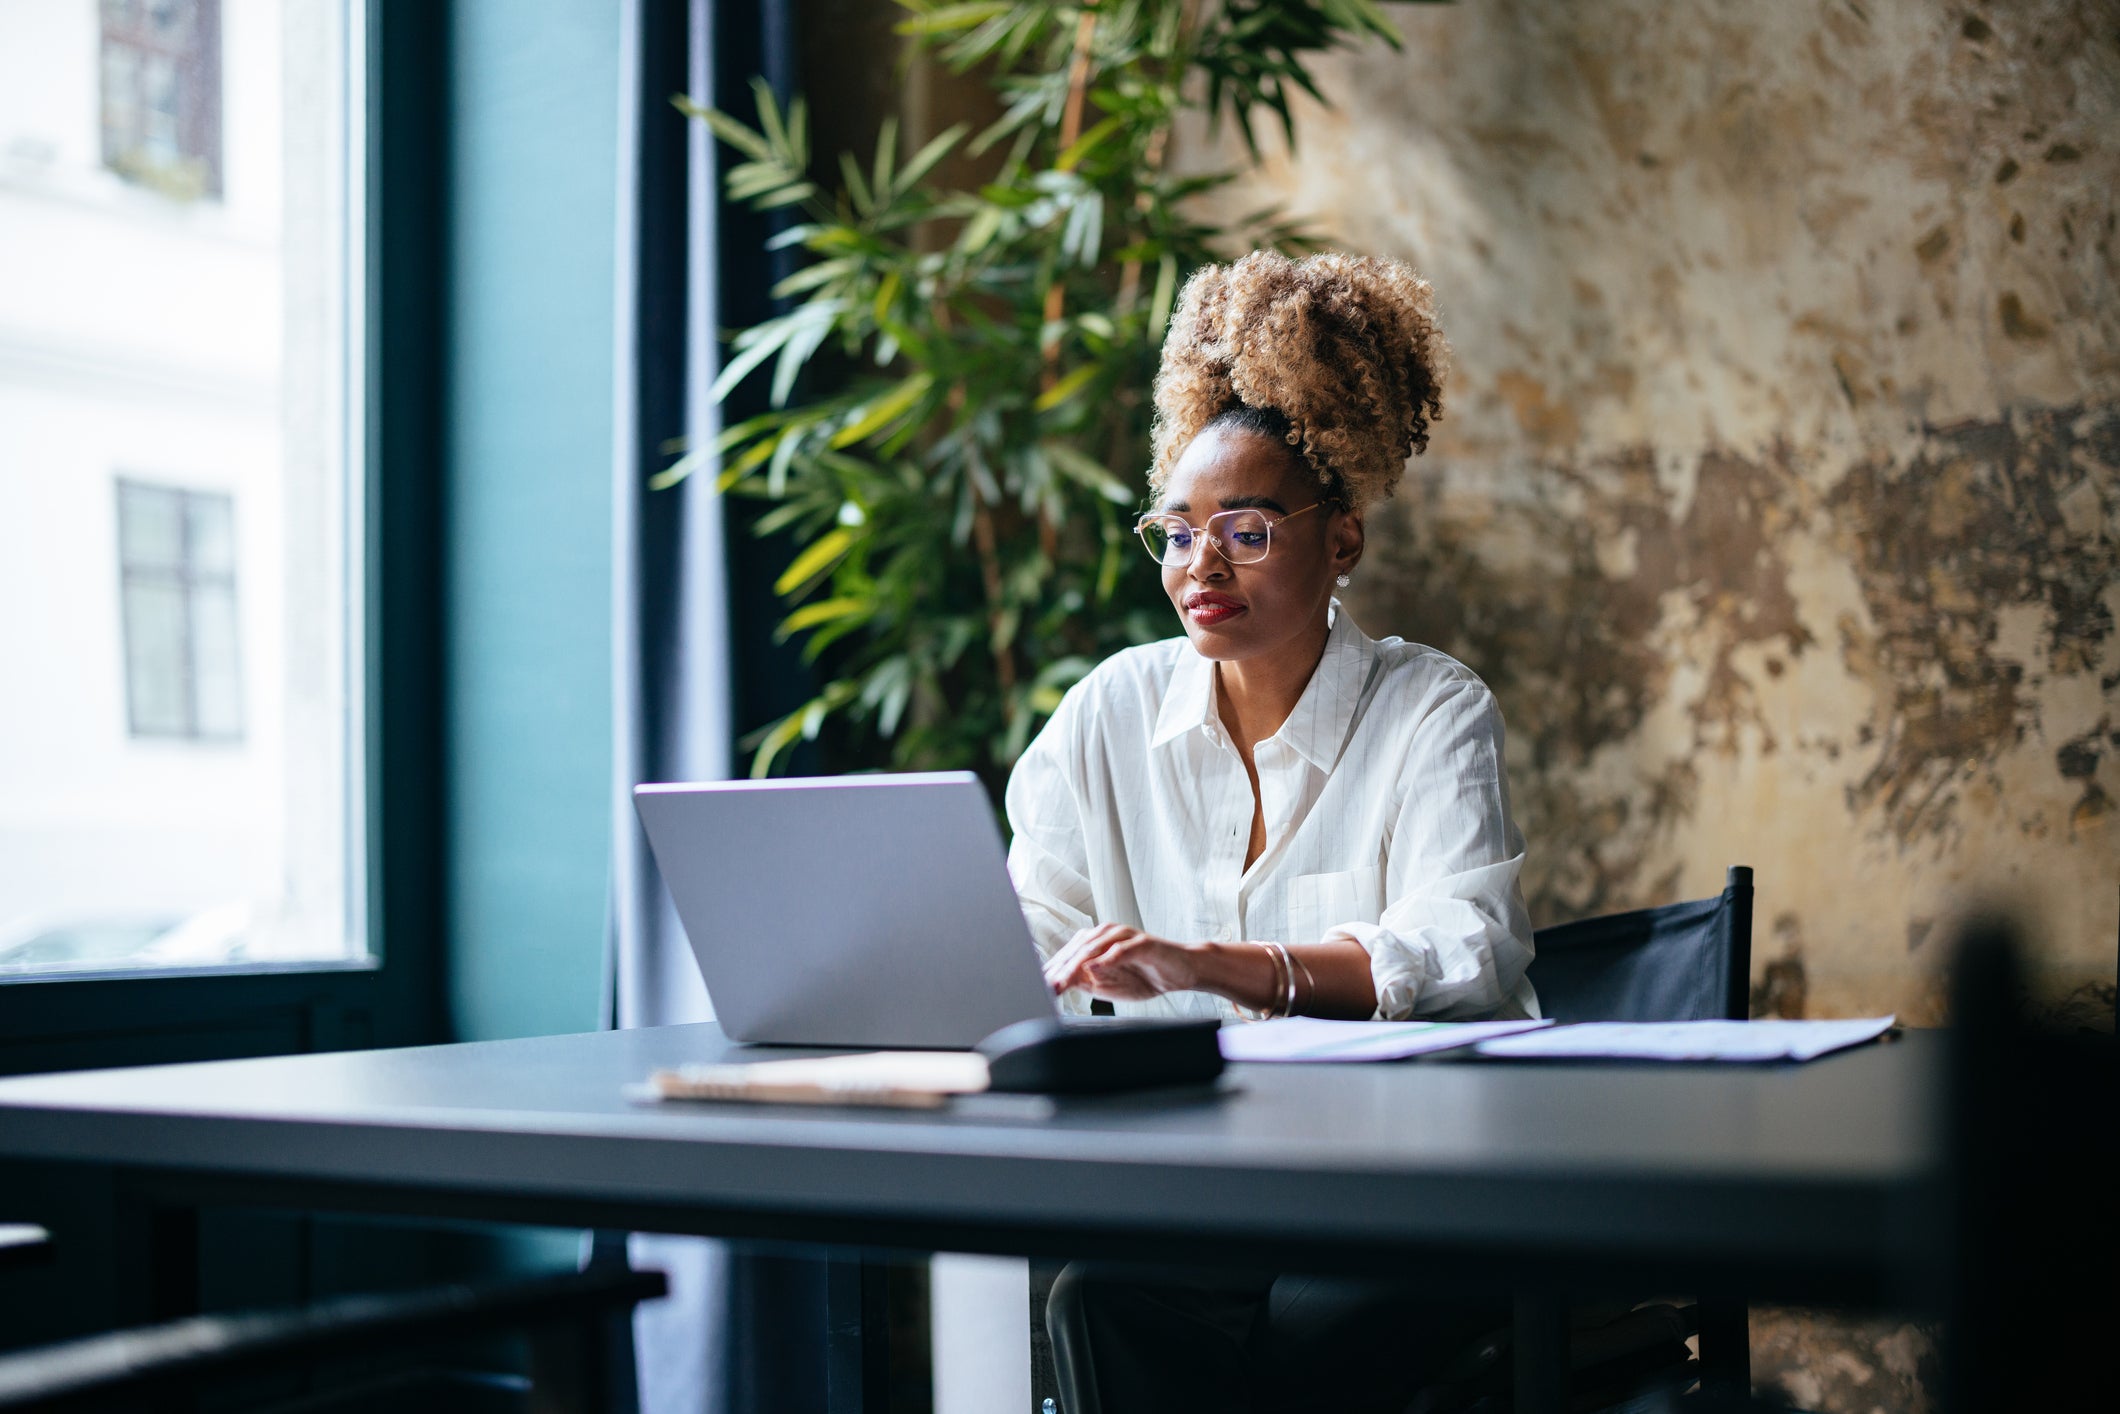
(1189, 701)
(1317, 726)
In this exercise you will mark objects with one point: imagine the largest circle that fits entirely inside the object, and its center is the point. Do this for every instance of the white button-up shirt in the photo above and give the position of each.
(1386, 810)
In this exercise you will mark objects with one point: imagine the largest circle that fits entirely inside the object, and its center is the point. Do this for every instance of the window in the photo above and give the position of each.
(182, 766)
(162, 93)
(177, 568)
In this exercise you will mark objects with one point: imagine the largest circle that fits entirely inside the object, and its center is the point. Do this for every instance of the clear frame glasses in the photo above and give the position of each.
(1241, 537)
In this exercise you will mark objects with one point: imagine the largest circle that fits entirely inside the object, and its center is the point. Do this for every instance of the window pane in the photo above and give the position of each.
(217, 688)
(157, 681)
(181, 784)
(150, 527)
(210, 542)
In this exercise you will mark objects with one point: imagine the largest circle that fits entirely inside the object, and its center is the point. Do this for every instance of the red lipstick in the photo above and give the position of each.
(1207, 608)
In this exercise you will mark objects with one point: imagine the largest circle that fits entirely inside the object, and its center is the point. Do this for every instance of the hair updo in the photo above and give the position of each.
(1338, 355)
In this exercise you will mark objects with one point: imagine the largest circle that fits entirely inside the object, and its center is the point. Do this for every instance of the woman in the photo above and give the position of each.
(1274, 813)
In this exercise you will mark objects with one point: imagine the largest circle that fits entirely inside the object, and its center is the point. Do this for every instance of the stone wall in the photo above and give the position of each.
(1778, 489)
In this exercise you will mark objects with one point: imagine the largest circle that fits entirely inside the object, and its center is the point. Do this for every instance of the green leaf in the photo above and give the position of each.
(1089, 472)
(948, 19)
(813, 322)
(887, 291)
(783, 458)
(755, 456)
(753, 347)
(1159, 304)
(886, 155)
(793, 235)
(889, 686)
(1066, 388)
(819, 557)
(1082, 146)
(822, 273)
(735, 134)
(885, 409)
(782, 735)
(980, 231)
(924, 161)
(857, 186)
(769, 118)
(678, 470)
(823, 611)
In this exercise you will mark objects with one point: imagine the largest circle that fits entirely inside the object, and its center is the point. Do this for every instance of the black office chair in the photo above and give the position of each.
(1681, 962)
(357, 1353)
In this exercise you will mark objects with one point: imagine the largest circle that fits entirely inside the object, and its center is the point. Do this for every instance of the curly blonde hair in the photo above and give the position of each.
(1342, 349)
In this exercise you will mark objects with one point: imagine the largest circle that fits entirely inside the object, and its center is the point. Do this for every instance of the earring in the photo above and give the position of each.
(1342, 581)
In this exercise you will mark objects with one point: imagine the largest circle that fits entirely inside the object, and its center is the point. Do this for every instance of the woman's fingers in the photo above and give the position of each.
(1063, 961)
(1070, 966)
(1141, 966)
(1072, 952)
(1127, 970)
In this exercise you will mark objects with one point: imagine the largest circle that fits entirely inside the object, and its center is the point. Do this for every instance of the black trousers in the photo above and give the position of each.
(1145, 1340)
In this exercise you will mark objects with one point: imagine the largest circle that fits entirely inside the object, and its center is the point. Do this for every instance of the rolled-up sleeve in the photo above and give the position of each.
(1454, 939)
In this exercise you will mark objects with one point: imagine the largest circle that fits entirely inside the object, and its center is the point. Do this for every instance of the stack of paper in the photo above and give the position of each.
(1305, 1038)
(1690, 1040)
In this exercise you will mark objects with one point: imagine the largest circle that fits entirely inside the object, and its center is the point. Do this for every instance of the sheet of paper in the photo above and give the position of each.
(1691, 1040)
(917, 1079)
(1305, 1038)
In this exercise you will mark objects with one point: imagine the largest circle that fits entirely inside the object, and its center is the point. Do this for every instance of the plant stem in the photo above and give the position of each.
(983, 538)
(1070, 129)
(1158, 146)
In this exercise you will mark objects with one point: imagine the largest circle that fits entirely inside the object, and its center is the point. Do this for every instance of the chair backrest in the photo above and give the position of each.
(1682, 962)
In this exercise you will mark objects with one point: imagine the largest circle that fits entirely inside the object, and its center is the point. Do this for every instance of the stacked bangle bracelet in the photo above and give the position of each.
(1282, 999)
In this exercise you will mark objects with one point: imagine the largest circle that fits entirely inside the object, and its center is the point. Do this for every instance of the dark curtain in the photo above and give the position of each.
(694, 662)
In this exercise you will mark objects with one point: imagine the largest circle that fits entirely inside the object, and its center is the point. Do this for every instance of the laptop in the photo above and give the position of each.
(856, 911)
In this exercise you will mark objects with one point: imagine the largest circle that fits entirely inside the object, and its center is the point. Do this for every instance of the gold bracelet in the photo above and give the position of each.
(1310, 984)
(1267, 1012)
(1288, 973)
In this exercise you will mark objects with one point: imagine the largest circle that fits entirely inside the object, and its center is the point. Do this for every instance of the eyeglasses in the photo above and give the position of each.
(1241, 537)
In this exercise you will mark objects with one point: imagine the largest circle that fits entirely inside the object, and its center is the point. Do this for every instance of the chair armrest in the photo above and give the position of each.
(180, 1352)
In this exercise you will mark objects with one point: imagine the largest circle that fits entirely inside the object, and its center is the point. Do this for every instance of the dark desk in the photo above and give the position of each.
(1789, 1183)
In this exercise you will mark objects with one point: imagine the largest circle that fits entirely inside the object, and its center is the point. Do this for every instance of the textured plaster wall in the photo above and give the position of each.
(1778, 489)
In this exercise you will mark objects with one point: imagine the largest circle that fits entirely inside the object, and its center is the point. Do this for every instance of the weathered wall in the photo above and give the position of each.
(1778, 489)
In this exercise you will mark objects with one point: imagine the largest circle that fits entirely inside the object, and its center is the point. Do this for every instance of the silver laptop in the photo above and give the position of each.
(848, 911)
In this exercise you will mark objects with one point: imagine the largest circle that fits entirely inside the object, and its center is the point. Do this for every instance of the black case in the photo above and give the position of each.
(1052, 1057)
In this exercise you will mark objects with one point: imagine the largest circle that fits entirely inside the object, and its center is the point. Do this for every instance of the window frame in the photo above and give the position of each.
(394, 995)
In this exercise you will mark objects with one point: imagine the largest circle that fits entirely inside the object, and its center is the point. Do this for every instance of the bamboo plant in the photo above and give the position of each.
(962, 465)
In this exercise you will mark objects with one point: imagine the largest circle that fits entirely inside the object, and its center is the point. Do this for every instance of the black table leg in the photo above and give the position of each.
(1540, 1344)
(857, 1350)
(158, 1252)
(1725, 1348)
(158, 1272)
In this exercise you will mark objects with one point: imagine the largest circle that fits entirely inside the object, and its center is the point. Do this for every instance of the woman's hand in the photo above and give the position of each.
(1123, 964)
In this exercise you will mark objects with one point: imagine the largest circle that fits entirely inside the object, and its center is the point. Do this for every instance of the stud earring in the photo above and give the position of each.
(1342, 581)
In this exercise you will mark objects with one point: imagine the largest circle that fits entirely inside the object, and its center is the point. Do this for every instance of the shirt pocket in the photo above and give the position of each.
(1317, 902)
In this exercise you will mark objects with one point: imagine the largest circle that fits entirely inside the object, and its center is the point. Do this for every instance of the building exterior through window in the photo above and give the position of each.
(181, 774)
(161, 79)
